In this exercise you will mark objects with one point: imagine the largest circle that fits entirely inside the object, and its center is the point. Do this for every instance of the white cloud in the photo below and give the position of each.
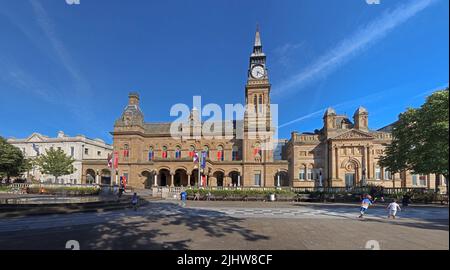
(350, 47)
(45, 23)
(365, 100)
(283, 53)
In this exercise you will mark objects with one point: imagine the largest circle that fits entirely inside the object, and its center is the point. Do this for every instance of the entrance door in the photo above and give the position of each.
(349, 180)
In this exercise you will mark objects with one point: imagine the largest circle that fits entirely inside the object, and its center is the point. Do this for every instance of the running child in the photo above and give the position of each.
(393, 207)
(365, 203)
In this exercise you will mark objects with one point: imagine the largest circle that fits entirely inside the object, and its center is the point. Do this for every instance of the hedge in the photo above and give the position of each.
(237, 192)
(70, 191)
(5, 188)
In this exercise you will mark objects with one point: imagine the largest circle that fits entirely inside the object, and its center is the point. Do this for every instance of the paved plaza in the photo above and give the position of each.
(231, 225)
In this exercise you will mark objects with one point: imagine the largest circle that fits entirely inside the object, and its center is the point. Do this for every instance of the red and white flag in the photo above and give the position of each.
(196, 157)
(110, 160)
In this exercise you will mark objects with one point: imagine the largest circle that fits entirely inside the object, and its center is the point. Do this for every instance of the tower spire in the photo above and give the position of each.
(257, 37)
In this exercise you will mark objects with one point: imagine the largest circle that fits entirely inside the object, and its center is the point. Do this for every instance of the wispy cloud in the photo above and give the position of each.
(47, 26)
(362, 39)
(426, 93)
(375, 97)
(73, 93)
(283, 53)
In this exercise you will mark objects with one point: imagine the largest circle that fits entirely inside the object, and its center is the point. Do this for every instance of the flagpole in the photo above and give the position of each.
(113, 163)
(199, 168)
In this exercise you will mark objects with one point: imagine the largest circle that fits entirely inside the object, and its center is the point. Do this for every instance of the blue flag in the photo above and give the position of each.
(203, 159)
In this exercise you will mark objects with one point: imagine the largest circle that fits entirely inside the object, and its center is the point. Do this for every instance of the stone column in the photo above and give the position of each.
(331, 162)
(263, 177)
(239, 180)
(278, 178)
(156, 180)
(172, 178)
(337, 162)
(367, 156)
(189, 180)
(364, 166)
(97, 179)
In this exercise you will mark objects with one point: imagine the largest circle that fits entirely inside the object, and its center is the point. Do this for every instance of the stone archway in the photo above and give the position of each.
(164, 177)
(351, 169)
(283, 179)
(148, 179)
(181, 178)
(220, 176)
(90, 177)
(234, 176)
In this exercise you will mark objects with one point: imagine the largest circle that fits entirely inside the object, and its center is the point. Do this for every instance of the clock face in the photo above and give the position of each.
(258, 72)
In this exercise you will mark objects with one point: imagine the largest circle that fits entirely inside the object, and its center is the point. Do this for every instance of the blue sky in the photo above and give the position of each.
(71, 67)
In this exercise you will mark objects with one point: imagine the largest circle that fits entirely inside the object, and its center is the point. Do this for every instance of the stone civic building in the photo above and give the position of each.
(343, 153)
(81, 148)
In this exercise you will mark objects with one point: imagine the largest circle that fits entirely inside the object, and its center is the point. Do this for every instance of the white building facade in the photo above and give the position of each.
(79, 147)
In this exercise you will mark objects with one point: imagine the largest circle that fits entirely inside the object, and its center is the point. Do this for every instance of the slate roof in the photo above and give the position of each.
(164, 128)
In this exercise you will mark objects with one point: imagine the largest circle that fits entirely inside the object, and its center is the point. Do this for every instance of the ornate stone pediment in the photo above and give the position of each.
(353, 135)
(36, 137)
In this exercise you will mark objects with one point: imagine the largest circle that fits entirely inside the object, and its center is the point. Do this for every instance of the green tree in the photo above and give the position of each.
(420, 138)
(55, 163)
(12, 161)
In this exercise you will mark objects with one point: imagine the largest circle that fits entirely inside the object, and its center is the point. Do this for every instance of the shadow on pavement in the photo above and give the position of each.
(141, 230)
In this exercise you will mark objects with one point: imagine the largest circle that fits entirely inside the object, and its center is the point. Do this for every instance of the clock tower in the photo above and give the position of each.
(258, 122)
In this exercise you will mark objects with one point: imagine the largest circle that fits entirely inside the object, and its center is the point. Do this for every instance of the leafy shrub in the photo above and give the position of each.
(5, 188)
(67, 191)
(239, 192)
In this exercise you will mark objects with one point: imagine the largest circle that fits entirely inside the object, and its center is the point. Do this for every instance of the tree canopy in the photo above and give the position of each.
(12, 160)
(420, 138)
(55, 163)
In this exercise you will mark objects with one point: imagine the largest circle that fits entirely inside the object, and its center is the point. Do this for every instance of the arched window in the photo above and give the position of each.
(191, 151)
(220, 153)
(206, 150)
(377, 173)
(302, 175)
(126, 150)
(235, 153)
(309, 173)
(164, 152)
(151, 154)
(387, 174)
(178, 152)
(257, 150)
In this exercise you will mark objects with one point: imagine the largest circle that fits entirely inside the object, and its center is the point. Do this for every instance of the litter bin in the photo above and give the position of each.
(272, 197)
